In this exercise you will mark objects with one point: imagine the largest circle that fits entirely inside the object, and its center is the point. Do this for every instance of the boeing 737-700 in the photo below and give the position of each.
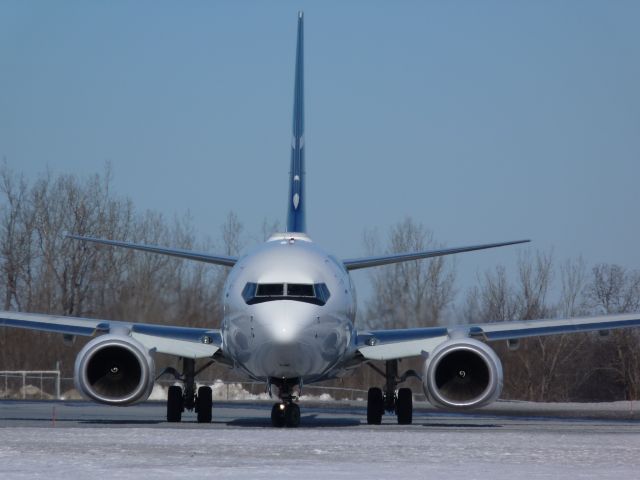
(289, 312)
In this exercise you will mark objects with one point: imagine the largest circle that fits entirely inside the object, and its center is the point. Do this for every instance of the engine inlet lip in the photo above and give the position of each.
(486, 393)
(135, 394)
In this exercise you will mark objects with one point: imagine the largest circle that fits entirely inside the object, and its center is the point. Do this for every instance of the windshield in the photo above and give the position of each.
(316, 293)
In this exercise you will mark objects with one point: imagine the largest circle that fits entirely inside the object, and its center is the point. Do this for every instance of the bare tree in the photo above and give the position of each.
(493, 300)
(536, 370)
(412, 293)
(573, 279)
(16, 240)
(614, 289)
(232, 234)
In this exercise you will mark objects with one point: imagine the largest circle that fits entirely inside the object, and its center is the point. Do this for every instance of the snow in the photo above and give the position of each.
(510, 439)
(232, 391)
(387, 451)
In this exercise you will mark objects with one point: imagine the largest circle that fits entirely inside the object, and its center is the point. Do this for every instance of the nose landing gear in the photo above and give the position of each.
(285, 413)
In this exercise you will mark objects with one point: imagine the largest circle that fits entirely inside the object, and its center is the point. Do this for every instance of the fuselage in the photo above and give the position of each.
(289, 310)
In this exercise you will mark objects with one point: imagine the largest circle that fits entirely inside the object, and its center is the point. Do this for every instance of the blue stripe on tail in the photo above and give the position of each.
(295, 216)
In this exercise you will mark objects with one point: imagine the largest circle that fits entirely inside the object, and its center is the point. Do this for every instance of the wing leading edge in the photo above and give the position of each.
(223, 260)
(367, 262)
(181, 341)
(411, 342)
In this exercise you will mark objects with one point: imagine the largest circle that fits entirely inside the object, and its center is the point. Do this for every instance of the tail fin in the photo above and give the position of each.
(295, 216)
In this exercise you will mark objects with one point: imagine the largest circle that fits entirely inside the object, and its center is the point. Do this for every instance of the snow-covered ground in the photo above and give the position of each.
(507, 441)
(319, 453)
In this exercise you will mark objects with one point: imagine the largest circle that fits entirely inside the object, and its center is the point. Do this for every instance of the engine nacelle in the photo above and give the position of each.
(462, 373)
(114, 369)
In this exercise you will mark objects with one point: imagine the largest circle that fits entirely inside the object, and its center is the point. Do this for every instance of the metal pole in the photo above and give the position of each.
(58, 380)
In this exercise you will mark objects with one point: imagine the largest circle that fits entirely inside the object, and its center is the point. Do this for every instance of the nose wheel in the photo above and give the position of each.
(285, 414)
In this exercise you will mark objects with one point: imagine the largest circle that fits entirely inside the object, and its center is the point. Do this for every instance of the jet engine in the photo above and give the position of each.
(114, 369)
(462, 373)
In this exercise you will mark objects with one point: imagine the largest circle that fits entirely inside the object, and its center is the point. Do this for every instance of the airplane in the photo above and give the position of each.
(289, 321)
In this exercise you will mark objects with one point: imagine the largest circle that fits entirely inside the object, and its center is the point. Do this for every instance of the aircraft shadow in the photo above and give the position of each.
(117, 422)
(306, 421)
(460, 425)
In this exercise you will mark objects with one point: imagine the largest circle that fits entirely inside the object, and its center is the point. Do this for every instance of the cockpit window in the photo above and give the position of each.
(322, 292)
(317, 293)
(270, 290)
(300, 290)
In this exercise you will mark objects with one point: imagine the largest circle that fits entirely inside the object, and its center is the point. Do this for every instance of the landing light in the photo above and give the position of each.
(281, 406)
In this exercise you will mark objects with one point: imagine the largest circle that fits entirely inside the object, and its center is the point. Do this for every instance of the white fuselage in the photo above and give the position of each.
(288, 336)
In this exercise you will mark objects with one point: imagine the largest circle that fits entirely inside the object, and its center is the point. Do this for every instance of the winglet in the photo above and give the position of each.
(296, 212)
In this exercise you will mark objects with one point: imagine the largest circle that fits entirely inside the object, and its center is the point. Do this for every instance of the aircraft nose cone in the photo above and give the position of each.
(283, 331)
(285, 322)
(285, 336)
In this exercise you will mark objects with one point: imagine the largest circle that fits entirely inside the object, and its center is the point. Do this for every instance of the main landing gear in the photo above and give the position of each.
(285, 413)
(400, 402)
(179, 400)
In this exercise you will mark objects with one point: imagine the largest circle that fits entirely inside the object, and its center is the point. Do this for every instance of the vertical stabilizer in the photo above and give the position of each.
(295, 216)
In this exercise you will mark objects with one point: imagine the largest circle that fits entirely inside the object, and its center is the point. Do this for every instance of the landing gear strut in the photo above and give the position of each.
(285, 413)
(179, 401)
(400, 403)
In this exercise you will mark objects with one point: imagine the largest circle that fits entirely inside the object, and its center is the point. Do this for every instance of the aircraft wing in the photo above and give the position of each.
(411, 342)
(180, 341)
(366, 262)
(224, 260)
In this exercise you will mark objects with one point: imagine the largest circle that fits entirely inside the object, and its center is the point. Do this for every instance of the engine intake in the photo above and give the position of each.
(462, 374)
(114, 369)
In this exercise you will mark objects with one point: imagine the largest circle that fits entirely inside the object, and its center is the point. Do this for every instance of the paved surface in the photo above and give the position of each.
(518, 415)
(68, 440)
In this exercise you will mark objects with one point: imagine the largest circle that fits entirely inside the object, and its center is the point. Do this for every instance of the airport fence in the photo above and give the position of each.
(50, 385)
(30, 384)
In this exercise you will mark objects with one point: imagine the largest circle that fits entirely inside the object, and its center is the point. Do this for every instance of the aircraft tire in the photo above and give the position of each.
(277, 415)
(174, 404)
(292, 415)
(375, 406)
(404, 406)
(204, 404)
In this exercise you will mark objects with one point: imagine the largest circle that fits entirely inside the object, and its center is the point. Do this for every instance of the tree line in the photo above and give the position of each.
(42, 271)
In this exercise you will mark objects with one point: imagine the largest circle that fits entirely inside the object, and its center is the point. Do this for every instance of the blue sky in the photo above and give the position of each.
(486, 121)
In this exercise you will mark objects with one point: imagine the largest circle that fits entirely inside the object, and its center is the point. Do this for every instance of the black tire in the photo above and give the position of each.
(174, 404)
(404, 406)
(278, 415)
(204, 404)
(292, 415)
(375, 406)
